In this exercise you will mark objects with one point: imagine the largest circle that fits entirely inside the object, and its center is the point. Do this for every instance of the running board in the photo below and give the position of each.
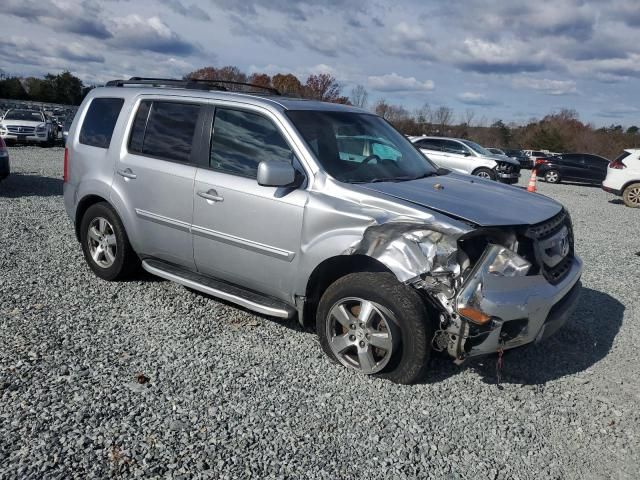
(225, 291)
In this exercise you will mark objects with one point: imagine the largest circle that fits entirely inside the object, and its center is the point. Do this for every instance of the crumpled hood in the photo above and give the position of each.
(483, 202)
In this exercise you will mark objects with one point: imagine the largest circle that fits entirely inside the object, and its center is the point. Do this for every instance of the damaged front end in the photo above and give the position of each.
(487, 284)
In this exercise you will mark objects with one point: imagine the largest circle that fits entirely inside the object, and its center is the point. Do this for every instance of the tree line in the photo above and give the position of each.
(560, 131)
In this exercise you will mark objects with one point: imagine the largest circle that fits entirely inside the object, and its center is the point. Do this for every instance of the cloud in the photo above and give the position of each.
(506, 57)
(300, 10)
(52, 54)
(545, 85)
(479, 99)
(619, 111)
(73, 16)
(393, 82)
(137, 33)
(189, 11)
(409, 40)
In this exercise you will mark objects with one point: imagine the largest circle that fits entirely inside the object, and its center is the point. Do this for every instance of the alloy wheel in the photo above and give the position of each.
(483, 174)
(551, 177)
(360, 335)
(633, 197)
(101, 239)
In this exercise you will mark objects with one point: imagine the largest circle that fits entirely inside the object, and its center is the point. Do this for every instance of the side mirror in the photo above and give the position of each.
(276, 174)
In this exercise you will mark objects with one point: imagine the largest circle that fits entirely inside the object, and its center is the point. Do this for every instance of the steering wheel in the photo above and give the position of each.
(372, 157)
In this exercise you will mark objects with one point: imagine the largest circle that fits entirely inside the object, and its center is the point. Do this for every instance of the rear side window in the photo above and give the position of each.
(164, 130)
(241, 140)
(100, 121)
(429, 144)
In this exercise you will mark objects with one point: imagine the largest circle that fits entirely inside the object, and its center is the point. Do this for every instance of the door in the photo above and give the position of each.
(432, 148)
(597, 168)
(572, 167)
(155, 179)
(245, 233)
(457, 157)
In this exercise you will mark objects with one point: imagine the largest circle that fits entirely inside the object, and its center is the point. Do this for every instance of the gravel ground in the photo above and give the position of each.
(146, 378)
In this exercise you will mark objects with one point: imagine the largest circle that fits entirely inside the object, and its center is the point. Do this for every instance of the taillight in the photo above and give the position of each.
(65, 174)
(540, 161)
(617, 164)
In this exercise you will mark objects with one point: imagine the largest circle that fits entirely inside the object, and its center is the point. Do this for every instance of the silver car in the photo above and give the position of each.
(318, 211)
(465, 156)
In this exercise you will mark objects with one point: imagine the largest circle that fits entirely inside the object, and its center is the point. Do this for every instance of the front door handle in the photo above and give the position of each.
(211, 195)
(127, 173)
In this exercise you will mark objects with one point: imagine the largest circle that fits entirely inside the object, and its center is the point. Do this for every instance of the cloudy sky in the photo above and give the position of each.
(507, 59)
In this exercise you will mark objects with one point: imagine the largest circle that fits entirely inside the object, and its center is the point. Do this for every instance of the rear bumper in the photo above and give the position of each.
(612, 190)
(523, 310)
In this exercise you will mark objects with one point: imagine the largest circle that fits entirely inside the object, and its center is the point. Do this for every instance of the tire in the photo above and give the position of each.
(631, 195)
(552, 176)
(113, 261)
(485, 173)
(399, 319)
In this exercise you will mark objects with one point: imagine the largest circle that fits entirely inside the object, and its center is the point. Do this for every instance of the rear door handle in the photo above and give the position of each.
(127, 173)
(211, 195)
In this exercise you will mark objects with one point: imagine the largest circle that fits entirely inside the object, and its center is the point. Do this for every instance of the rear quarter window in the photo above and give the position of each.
(99, 121)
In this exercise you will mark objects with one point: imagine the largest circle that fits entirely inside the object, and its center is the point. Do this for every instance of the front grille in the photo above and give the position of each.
(542, 231)
(20, 130)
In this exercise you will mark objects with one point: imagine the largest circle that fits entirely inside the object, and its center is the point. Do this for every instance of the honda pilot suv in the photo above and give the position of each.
(321, 212)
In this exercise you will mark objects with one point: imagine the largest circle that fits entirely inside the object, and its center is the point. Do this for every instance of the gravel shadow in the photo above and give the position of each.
(586, 339)
(30, 185)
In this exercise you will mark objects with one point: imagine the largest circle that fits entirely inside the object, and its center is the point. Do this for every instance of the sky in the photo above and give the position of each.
(513, 60)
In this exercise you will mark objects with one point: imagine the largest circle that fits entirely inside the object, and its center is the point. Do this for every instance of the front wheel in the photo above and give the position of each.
(485, 173)
(631, 195)
(552, 176)
(372, 323)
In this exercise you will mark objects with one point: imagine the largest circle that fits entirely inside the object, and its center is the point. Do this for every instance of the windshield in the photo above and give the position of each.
(477, 148)
(23, 115)
(360, 147)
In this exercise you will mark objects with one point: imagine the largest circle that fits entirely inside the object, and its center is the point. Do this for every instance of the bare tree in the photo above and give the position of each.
(359, 96)
(322, 87)
(443, 117)
(468, 117)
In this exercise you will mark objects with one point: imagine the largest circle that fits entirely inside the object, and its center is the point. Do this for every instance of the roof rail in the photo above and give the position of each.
(190, 83)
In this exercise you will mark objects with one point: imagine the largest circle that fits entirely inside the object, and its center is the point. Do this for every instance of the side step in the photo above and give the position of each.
(217, 288)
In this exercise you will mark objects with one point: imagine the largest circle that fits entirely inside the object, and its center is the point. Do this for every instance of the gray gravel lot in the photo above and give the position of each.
(229, 394)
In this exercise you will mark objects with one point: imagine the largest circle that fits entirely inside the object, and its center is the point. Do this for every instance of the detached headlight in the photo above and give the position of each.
(498, 261)
(42, 127)
(508, 263)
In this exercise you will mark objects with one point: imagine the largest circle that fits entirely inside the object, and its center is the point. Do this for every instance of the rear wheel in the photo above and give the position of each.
(552, 176)
(105, 243)
(371, 323)
(485, 173)
(631, 195)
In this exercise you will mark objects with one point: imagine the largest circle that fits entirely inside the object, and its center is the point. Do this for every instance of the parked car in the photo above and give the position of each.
(524, 160)
(254, 199)
(577, 167)
(535, 154)
(623, 177)
(5, 167)
(24, 126)
(465, 156)
(65, 127)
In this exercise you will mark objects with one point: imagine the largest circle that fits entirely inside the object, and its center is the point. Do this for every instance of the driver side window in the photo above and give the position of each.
(454, 147)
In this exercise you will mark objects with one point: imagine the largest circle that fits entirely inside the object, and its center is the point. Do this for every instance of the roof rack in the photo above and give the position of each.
(191, 84)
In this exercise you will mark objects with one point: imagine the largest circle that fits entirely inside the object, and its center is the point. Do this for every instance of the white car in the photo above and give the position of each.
(22, 126)
(468, 157)
(623, 177)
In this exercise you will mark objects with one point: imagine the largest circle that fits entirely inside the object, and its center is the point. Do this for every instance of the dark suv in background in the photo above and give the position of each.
(520, 156)
(578, 167)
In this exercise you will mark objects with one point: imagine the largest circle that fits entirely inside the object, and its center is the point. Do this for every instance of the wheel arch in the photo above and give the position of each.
(628, 184)
(330, 270)
(83, 206)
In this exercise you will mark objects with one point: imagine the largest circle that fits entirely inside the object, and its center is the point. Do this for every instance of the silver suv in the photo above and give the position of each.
(324, 212)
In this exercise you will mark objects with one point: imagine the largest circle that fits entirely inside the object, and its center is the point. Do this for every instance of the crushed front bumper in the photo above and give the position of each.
(522, 309)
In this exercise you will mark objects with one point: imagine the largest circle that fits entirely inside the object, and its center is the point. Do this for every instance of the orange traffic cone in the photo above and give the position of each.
(532, 181)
